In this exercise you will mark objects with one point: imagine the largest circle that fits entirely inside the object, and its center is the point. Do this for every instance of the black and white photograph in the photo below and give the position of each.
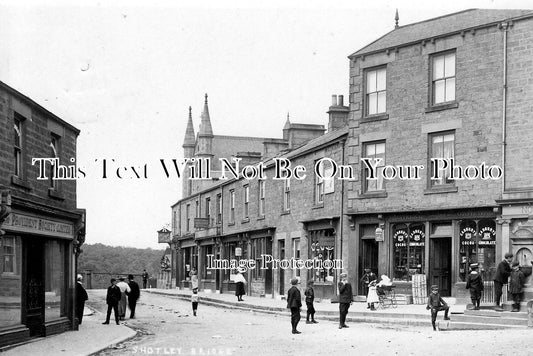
(266, 178)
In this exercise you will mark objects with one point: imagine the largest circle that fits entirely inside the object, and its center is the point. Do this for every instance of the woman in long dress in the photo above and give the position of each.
(124, 290)
(240, 282)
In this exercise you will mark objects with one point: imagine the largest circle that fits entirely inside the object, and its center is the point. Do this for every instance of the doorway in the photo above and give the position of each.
(440, 253)
(281, 254)
(33, 287)
(368, 258)
(268, 272)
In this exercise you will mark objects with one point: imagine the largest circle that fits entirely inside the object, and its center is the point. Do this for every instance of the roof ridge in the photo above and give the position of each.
(441, 17)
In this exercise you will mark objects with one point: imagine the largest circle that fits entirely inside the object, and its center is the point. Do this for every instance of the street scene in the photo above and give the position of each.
(247, 178)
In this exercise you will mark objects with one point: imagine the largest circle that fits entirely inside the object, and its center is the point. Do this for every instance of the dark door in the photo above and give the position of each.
(33, 287)
(440, 265)
(281, 270)
(268, 272)
(218, 272)
(368, 258)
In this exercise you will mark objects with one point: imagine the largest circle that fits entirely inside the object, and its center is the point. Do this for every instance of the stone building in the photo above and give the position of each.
(454, 87)
(40, 227)
(239, 218)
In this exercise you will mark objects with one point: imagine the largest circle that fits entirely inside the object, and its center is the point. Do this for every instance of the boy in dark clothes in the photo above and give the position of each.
(474, 282)
(294, 303)
(516, 285)
(436, 304)
(309, 299)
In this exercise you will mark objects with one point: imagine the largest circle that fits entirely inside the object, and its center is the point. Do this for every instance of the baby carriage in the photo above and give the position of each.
(387, 296)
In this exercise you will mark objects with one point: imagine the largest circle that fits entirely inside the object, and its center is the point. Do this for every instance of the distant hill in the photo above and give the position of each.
(101, 258)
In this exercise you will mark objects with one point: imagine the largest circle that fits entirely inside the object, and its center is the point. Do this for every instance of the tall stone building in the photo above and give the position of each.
(41, 228)
(456, 87)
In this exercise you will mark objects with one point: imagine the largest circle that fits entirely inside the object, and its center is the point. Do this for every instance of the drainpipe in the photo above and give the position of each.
(505, 28)
(341, 218)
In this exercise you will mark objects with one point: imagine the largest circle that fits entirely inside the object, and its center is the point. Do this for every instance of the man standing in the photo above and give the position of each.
(133, 295)
(345, 299)
(294, 303)
(81, 297)
(145, 278)
(503, 271)
(112, 299)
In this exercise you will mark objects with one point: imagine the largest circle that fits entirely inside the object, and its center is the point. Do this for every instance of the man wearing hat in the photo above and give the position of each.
(345, 299)
(516, 285)
(294, 303)
(474, 283)
(81, 297)
(133, 295)
(112, 298)
(503, 271)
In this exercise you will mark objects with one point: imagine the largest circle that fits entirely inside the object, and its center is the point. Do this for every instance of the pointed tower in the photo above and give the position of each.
(205, 135)
(189, 144)
(286, 128)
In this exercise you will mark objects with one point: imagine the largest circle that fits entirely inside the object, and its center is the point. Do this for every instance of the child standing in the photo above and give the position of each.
(368, 277)
(436, 304)
(474, 282)
(516, 285)
(309, 299)
(372, 296)
(194, 300)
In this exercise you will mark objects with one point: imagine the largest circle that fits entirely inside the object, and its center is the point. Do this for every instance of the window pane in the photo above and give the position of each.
(55, 287)
(438, 67)
(372, 103)
(371, 81)
(450, 89)
(382, 100)
(449, 65)
(381, 79)
(380, 149)
(438, 91)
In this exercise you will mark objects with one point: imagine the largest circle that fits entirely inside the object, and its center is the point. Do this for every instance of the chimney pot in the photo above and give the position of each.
(334, 100)
(341, 100)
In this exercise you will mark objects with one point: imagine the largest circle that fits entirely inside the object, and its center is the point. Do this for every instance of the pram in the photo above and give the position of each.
(387, 296)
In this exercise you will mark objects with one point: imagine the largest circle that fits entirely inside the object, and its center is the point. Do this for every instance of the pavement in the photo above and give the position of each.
(91, 337)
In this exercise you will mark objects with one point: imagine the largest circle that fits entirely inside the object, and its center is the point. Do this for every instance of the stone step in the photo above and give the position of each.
(449, 325)
(495, 314)
(490, 320)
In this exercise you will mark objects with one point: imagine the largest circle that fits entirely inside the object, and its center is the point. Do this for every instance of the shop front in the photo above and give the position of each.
(438, 244)
(37, 267)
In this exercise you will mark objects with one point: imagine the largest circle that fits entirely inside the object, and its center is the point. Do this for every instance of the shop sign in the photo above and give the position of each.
(400, 238)
(467, 236)
(238, 251)
(379, 234)
(417, 238)
(30, 224)
(487, 236)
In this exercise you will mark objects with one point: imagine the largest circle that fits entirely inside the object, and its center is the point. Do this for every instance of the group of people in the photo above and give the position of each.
(373, 288)
(120, 294)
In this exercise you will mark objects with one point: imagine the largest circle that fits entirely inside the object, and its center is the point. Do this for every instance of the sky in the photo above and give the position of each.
(126, 72)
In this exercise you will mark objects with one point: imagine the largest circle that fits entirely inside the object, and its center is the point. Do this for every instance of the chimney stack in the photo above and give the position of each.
(338, 113)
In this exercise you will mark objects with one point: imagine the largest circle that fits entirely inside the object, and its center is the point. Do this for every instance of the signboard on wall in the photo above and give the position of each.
(34, 225)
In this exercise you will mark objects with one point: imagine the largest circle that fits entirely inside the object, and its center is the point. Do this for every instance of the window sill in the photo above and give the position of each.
(370, 195)
(441, 190)
(262, 217)
(440, 107)
(52, 193)
(318, 205)
(23, 183)
(375, 117)
(231, 223)
(245, 220)
(286, 212)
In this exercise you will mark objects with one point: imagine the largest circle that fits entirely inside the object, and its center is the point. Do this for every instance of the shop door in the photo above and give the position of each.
(440, 265)
(33, 283)
(268, 272)
(281, 270)
(218, 272)
(368, 258)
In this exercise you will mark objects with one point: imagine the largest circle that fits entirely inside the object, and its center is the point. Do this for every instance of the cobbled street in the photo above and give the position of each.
(166, 326)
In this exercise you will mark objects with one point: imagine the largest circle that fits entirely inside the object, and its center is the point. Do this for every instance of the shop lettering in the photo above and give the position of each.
(36, 224)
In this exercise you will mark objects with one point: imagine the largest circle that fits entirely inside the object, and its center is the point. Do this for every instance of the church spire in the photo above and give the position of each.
(396, 19)
(189, 140)
(205, 124)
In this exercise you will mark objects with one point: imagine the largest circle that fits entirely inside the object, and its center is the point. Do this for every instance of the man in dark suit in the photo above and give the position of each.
(345, 299)
(145, 278)
(81, 297)
(133, 295)
(503, 271)
(294, 303)
(112, 299)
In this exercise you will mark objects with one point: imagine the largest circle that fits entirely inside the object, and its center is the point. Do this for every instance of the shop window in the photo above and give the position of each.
(322, 247)
(477, 239)
(442, 145)
(296, 255)
(375, 151)
(409, 250)
(443, 78)
(257, 249)
(55, 280)
(376, 91)
(11, 287)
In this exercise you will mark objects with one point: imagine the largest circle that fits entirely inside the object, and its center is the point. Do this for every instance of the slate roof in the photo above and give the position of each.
(440, 26)
(227, 146)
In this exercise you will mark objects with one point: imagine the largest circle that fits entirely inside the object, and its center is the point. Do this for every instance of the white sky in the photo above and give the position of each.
(125, 73)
